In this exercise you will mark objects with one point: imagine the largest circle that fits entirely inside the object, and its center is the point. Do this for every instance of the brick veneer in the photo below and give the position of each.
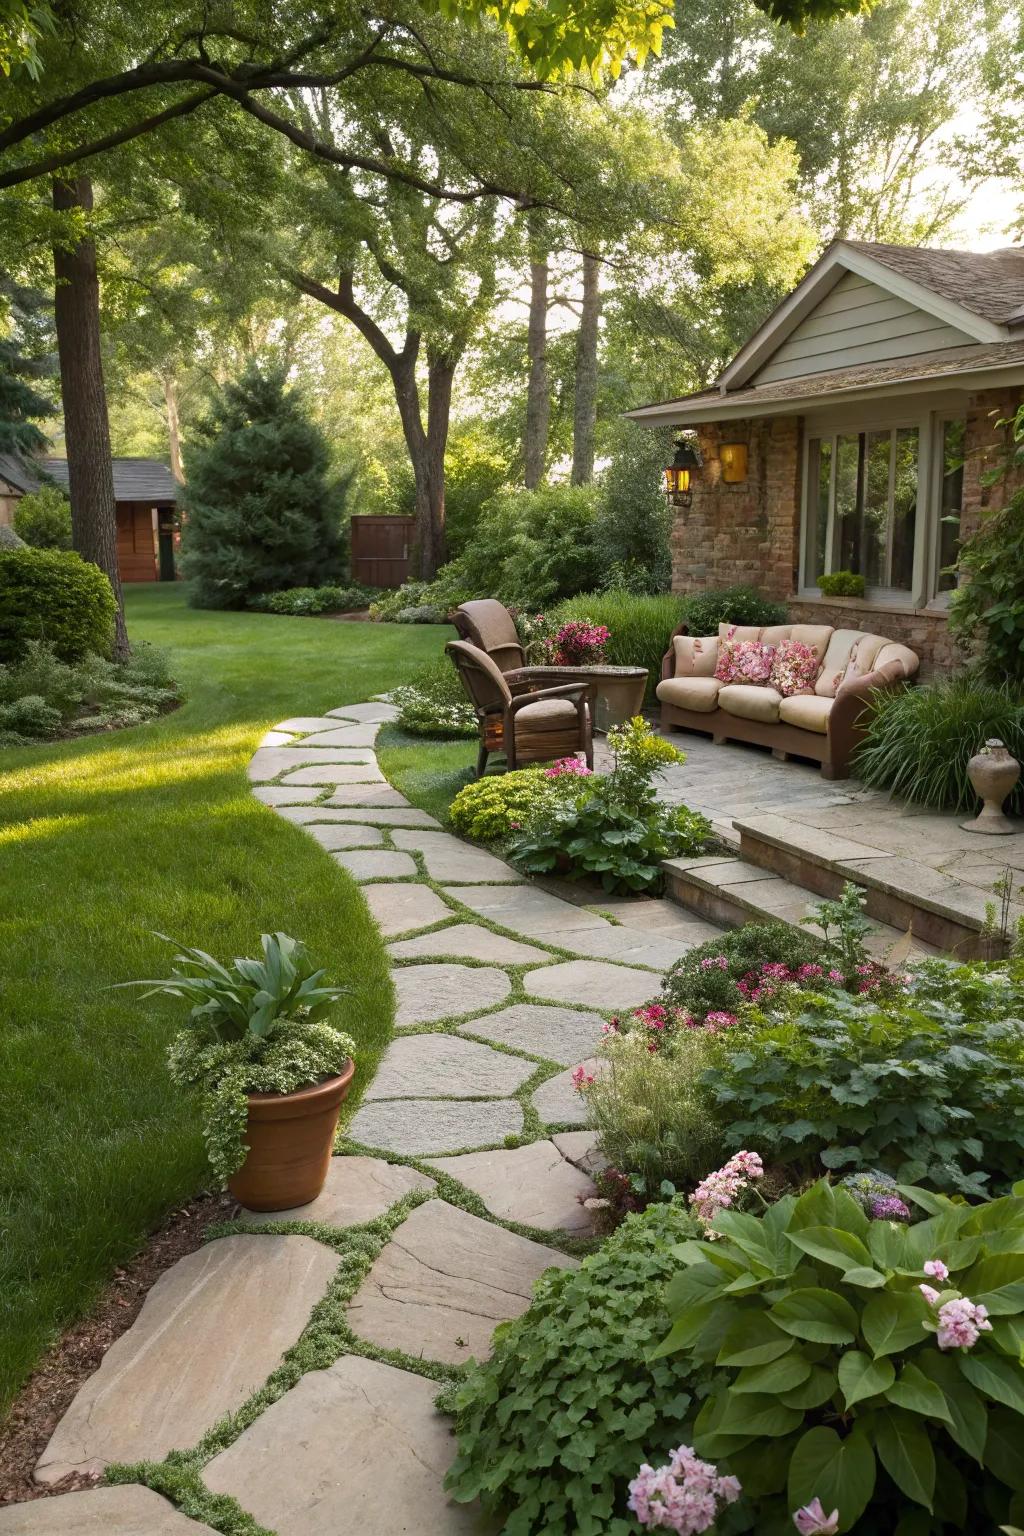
(750, 532)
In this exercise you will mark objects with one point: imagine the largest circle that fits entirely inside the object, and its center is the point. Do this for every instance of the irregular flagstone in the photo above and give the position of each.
(375, 865)
(557, 1101)
(267, 762)
(660, 917)
(344, 736)
(532, 1185)
(443, 1283)
(555, 1034)
(582, 1149)
(627, 944)
(377, 710)
(398, 908)
(592, 982)
(127, 1511)
(420, 1127)
(337, 773)
(370, 815)
(528, 910)
(382, 795)
(448, 858)
(210, 1332)
(430, 992)
(285, 794)
(306, 723)
(445, 1066)
(358, 1189)
(345, 835)
(471, 942)
(356, 1450)
(276, 738)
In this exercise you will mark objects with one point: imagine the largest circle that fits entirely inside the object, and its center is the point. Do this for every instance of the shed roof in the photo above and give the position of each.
(134, 479)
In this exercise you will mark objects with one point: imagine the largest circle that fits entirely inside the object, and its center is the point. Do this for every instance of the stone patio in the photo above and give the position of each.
(491, 1018)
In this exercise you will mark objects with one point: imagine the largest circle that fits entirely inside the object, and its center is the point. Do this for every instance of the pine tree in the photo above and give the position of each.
(22, 404)
(631, 533)
(261, 512)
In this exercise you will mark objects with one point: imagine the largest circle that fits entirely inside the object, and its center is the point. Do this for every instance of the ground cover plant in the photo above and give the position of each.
(297, 601)
(42, 697)
(493, 808)
(700, 983)
(433, 702)
(104, 840)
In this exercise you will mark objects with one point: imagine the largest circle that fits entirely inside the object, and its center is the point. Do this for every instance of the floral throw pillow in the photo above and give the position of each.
(794, 668)
(744, 661)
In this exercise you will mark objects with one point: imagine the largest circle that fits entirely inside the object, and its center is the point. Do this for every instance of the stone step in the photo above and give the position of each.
(940, 910)
(732, 891)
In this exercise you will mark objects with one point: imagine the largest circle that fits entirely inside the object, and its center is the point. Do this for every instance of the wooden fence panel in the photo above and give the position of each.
(381, 547)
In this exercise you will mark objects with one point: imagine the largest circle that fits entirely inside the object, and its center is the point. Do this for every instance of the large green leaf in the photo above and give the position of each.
(841, 1473)
(998, 1283)
(777, 1376)
(692, 1286)
(967, 1413)
(817, 1389)
(832, 1246)
(894, 1320)
(753, 1339)
(814, 1313)
(747, 1233)
(915, 1392)
(905, 1452)
(867, 1279)
(861, 1377)
(888, 1244)
(757, 1414)
(1002, 1453)
(816, 1207)
(995, 1377)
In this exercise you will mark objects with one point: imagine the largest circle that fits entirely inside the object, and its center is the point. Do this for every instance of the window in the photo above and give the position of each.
(950, 501)
(863, 506)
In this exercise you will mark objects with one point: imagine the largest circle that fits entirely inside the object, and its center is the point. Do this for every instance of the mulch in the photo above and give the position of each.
(37, 1410)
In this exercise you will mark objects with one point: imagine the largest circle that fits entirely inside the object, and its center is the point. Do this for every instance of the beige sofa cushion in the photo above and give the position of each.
(776, 633)
(841, 650)
(739, 632)
(696, 655)
(751, 701)
(815, 636)
(697, 693)
(893, 651)
(807, 710)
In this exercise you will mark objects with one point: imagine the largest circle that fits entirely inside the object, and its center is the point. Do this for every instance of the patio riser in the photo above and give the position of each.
(946, 930)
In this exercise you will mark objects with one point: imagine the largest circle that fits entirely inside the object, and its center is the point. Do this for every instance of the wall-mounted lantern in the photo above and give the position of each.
(733, 459)
(679, 474)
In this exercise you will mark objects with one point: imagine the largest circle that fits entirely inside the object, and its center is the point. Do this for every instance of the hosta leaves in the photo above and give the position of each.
(998, 1283)
(832, 1246)
(905, 1452)
(777, 1376)
(968, 1416)
(894, 1320)
(995, 1377)
(757, 1415)
(916, 1393)
(817, 1314)
(861, 1377)
(1002, 1452)
(816, 1390)
(887, 1242)
(841, 1473)
(753, 1339)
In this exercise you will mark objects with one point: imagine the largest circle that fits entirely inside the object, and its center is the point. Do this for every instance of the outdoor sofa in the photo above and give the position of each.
(825, 724)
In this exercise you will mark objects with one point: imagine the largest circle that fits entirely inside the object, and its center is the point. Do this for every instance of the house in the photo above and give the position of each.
(145, 495)
(855, 431)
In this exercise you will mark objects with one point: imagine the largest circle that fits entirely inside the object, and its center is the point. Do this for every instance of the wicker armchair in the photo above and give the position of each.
(524, 723)
(489, 626)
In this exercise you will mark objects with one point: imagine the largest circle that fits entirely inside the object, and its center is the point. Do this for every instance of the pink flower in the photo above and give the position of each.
(568, 767)
(836, 976)
(718, 1191)
(717, 1020)
(812, 1520)
(581, 1078)
(681, 1496)
(929, 1293)
(961, 1324)
(936, 1269)
(714, 962)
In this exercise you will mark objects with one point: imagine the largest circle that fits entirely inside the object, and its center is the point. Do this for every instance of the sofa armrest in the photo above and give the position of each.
(668, 661)
(578, 693)
(846, 717)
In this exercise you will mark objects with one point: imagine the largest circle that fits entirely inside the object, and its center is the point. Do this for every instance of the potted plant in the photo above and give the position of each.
(272, 1072)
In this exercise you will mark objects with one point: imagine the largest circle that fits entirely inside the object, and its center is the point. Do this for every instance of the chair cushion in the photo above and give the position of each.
(698, 693)
(546, 715)
(807, 710)
(744, 661)
(794, 668)
(840, 653)
(696, 655)
(751, 701)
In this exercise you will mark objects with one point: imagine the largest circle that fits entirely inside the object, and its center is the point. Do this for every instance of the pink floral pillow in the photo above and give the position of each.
(744, 661)
(794, 668)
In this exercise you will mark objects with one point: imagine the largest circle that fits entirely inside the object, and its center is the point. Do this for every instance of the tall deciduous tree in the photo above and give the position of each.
(538, 399)
(584, 419)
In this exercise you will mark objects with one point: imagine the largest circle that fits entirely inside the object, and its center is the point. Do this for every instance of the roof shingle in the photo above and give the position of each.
(988, 283)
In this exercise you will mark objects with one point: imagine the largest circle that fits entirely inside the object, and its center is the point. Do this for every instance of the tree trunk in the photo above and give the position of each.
(538, 401)
(426, 450)
(170, 390)
(86, 427)
(584, 416)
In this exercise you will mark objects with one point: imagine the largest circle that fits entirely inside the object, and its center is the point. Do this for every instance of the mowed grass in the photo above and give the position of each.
(429, 772)
(101, 842)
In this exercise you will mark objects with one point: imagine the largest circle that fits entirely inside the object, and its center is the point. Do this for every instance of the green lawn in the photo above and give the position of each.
(106, 839)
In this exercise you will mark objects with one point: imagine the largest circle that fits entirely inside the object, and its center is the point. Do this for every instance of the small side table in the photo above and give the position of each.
(619, 691)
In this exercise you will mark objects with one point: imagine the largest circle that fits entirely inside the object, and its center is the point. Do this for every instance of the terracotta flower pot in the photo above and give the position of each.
(291, 1139)
(993, 772)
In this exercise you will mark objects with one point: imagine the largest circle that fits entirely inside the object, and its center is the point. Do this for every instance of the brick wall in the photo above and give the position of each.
(750, 532)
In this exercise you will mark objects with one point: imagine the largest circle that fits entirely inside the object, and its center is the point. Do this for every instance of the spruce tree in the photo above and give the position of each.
(261, 511)
(22, 404)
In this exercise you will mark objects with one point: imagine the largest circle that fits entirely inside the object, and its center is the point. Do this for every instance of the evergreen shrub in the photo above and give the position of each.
(57, 597)
(43, 518)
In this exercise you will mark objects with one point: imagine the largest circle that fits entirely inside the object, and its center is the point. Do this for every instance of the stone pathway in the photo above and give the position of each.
(469, 1141)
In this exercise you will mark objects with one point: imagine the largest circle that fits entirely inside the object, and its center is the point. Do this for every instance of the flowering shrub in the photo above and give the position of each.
(684, 1495)
(492, 809)
(552, 1428)
(724, 973)
(434, 703)
(537, 633)
(845, 1386)
(568, 768)
(718, 1192)
(579, 643)
(744, 661)
(878, 1195)
(794, 668)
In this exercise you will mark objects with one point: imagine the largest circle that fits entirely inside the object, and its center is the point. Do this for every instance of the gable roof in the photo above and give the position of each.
(134, 479)
(978, 294)
(14, 470)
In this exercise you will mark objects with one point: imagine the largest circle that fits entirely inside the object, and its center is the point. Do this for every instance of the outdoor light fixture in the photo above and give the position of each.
(733, 459)
(679, 473)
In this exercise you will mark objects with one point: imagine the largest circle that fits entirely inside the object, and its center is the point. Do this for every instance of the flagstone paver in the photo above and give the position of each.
(371, 815)
(443, 1283)
(127, 1511)
(534, 1185)
(373, 710)
(426, 1127)
(400, 908)
(595, 983)
(337, 835)
(210, 1332)
(285, 794)
(343, 736)
(306, 723)
(555, 1034)
(352, 772)
(381, 795)
(355, 1450)
(528, 910)
(358, 1189)
(470, 942)
(268, 762)
(581, 1149)
(373, 865)
(628, 946)
(429, 992)
(558, 1103)
(449, 859)
(446, 1067)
